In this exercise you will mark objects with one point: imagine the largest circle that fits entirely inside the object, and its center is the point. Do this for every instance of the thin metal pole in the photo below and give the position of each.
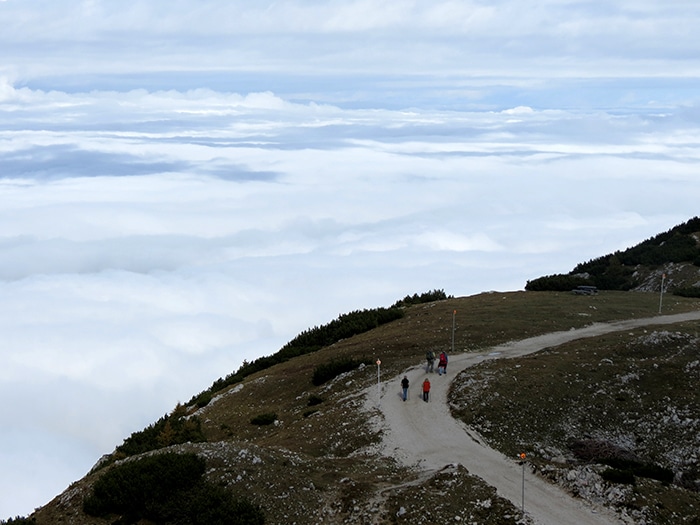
(454, 314)
(522, 506)
(379, 383)
(661, 295)
(522, 457)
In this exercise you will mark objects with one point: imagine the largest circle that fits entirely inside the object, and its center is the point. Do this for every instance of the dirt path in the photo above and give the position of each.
(426, 436)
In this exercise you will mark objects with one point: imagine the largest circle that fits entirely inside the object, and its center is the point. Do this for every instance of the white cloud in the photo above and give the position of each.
(502, 40)
(188, 185)
(451, 241)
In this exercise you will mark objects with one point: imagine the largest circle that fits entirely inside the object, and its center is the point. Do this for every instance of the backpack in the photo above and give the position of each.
(430, 356)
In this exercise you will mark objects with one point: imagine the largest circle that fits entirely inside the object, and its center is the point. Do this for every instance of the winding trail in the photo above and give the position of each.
(426, 436)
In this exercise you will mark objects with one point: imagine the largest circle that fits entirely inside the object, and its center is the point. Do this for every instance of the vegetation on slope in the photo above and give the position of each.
(619, 270)
(167, 488)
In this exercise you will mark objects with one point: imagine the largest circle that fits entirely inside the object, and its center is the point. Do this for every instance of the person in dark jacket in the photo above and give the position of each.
(430, 358)
(404, 387)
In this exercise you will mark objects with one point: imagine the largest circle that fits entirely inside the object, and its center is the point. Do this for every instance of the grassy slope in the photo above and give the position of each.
(324, 467)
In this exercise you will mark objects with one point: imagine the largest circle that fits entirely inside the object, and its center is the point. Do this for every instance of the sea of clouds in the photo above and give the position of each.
(187, 185)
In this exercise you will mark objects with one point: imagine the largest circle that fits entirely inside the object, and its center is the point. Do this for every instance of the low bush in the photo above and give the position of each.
(332, 369)
(690, 291)
(167, 488)
(314, 400)
(264, 419)
(169, 430)
(426, 297)
(557, 283)
(651, 471)
(18, 520)
(615, 475)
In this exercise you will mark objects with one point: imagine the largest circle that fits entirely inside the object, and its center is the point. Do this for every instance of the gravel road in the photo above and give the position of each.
(425, 435)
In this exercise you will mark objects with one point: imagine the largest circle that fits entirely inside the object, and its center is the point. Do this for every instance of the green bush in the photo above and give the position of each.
(332, 369)
(426, 297)
(556, 283)
(690, 291)
(204, 398)
(169, 430)
(314, 400)
(615, 475)
(640, 469)
(651, 471)
(167, 488)
(616, 271)
(264, 419)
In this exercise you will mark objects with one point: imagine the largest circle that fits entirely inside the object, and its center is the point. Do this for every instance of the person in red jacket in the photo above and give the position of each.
(426, 390)
(442, 363)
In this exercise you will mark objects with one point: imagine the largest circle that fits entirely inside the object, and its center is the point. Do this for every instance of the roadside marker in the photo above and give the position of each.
(379, 384)
(522, 462)
(661, 294)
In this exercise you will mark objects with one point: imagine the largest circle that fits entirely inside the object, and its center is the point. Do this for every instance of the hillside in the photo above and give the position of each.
(671, 258)
(323, 459)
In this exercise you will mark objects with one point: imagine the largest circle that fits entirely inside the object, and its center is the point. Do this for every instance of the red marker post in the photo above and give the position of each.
(522, 462)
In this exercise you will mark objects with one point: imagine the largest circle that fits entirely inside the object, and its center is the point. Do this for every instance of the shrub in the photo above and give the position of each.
(204, 398)
(690, 291)
(19, 520)
(556, 283)
(615, 475)
(427, 297)
(652, 471)
(264, 419)
(332, 369)
(168, 430)
(167, 488)
(314, 400)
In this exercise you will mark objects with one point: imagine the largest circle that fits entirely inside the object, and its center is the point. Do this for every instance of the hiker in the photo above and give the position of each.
(430, 357)
(404, 387)
(426, 390)
(442, 363)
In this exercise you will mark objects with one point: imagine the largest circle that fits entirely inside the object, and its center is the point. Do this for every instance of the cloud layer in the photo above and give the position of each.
(187, 185)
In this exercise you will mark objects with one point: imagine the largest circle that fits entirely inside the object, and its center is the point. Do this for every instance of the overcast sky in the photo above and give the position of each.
(187, 184)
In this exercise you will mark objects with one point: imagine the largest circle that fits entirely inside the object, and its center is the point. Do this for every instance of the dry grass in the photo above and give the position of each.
(321, 463)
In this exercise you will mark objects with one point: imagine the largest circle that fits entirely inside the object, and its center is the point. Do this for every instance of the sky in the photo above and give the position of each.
(188, 184)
